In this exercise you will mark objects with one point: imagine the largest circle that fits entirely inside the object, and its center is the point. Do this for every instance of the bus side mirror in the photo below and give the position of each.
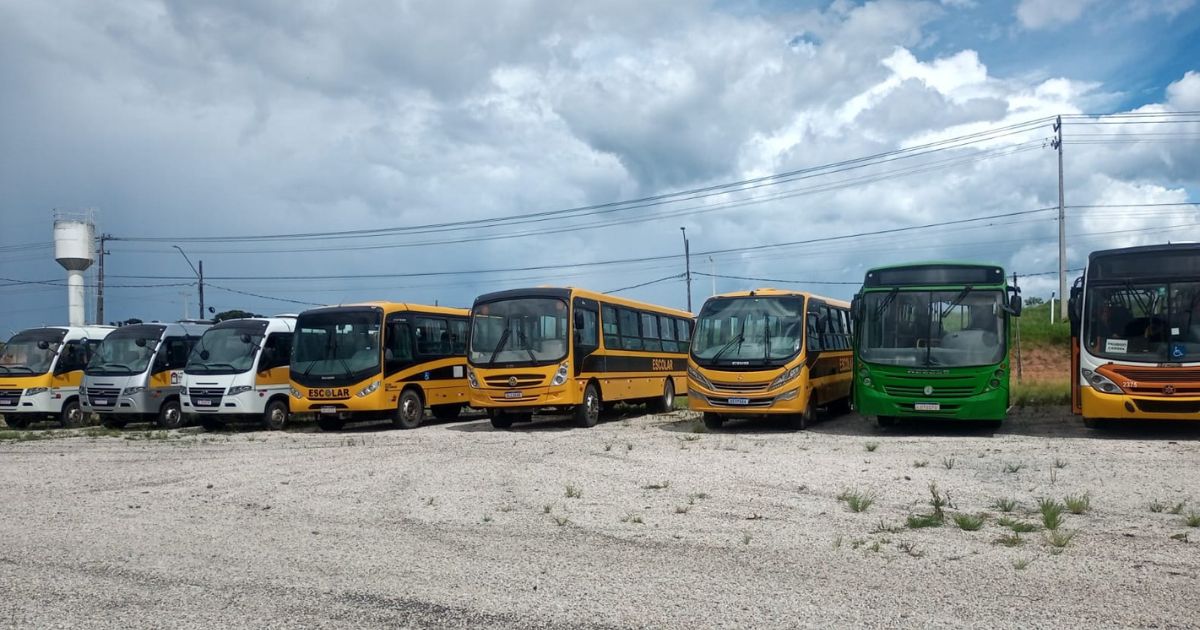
(1014, 305)
(245, 338)
(204, 354)
(856, 308)
(43, 345)
(1074, 307)
(578, 320)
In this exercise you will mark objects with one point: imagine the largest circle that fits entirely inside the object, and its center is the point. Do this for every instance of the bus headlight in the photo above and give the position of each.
(560, 376)
(792, 395)
(864, 373)
(295, 393)
(129, 391)
(1100, 382)
(471, 379)
(368, 390)
(785, 377)
(695, 375)
(34, 391)
(239, 389)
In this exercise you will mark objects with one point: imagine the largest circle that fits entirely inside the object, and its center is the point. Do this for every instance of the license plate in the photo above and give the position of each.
(328, 410)
(8, 403)
(512, 394)
(739, 401)
(203, 403)
(927, 406)
(103, 402)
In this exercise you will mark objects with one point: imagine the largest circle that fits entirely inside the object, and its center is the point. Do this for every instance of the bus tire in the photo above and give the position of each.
(500, 420)
(712, 421)
(665, 402)
(410, 411)
(330, 424)
(211, 424)
(275, 416)
(803, 420)
(113, 423)
(885, 421)
(169, 415)
(587, 413)
(446, 412)
(15, 421)
(71, 414)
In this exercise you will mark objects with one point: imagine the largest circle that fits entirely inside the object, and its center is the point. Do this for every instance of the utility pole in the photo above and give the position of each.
(199, 277)
(687, 258)
(1057, 143)
(100, 279)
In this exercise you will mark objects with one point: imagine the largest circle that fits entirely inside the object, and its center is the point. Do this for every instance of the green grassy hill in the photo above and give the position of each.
(1037, 331)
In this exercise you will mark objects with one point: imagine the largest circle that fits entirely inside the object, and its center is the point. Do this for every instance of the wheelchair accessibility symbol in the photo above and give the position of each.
(427, 376)
(1178, 351)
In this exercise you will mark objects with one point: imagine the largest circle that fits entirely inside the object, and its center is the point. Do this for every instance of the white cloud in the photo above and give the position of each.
(1040, 14)
(1184, 94)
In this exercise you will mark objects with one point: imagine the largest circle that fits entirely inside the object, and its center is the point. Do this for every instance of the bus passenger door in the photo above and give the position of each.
(586, 337)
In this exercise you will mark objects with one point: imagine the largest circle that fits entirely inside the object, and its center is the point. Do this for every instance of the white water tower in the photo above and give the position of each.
(73, 238)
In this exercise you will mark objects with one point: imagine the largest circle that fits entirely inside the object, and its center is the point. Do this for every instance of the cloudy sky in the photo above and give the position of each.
(182, 120)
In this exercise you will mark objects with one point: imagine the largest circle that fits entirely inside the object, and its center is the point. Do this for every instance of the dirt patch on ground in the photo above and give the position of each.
(1043, 364)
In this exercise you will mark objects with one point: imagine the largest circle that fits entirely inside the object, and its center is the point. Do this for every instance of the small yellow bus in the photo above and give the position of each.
(770, 352)
(569, 349)
(379, 361)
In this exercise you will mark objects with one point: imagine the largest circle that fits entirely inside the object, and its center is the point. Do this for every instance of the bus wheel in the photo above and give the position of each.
(712, 421)
(446, 412)
(275, 416)
(113, 423)
(587, 413)
(500, 420)
(212, 424)
(410, 411)
(169, 415)
(803, 420)
(15, 421)
(71, 414)
(885, 421)
(329, 424)
(666, 402)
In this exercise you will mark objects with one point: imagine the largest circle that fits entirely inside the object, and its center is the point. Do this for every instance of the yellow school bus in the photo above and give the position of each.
(569, 349)
(770, 352)
(379, 361)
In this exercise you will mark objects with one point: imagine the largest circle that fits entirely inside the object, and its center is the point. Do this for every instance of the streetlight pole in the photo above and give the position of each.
(199, 277)
(687, 258)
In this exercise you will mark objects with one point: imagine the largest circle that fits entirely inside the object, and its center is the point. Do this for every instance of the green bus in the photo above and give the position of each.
(931, 341)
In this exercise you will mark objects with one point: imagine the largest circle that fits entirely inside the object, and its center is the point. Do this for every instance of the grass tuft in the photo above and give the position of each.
(1157, 506)
(1010, 540)
(1021, 563)
(871, 446)
(921, 521)
(574, 492)
(1052, 513)
(1011, 467)
(1078, 504)
(1058, 463)
(968, 522)
(561, 520)
(1060, 538)
(920, 463)
(909, 548)
(856, 500)
(948, 463)
(1192, 519)
(657, 486)
(1020, 527)
(884, 528)
(1005, 505)
(630, 517)
(1177, 508)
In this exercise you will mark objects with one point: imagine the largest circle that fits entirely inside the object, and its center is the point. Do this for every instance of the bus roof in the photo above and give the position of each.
(392, 307)
(932, 263)
(1146, 249)
(934, 274)
(1179, 261)
(569, 292)
(773, 292)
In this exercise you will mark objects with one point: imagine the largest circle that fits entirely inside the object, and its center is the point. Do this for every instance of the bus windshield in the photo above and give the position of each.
(337, 344)
(523, 330)
(1157, 321)
(958, 328)
(748, 330)
(126, 351)
(226, 350)
(24, 355)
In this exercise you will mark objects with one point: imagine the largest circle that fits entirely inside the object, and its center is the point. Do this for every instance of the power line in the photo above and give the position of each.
(265, 297)
(646, 284)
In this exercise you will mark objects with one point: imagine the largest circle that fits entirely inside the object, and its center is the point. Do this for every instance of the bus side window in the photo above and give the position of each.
(71, 358)
(433, 337)
(277, 351)
(666, 328)
(650, 340)
(588, 336)
(608, 321)
(683, 333)
(398, 344)
(458, 337)
(814, 332)
(631, 338)
(174, 354)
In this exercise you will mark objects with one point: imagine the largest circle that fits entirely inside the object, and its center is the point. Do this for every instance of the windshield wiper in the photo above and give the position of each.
(10, 368)
(956, 301)
(503, 339)
(736, 339)
(525, 341)
(886, 301)
(333, 345)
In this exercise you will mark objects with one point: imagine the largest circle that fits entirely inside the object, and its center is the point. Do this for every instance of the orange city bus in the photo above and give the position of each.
(569, 349)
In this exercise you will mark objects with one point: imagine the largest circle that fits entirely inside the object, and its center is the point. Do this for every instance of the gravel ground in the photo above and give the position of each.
(457, 525)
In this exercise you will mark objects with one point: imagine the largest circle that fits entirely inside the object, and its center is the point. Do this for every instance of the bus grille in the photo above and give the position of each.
(206, 392)
(523, 380)
(9, 397)
(1168, 406)
(103, 392)
(750, 404)
(912, 391)
(1166, 375)
(739, 388)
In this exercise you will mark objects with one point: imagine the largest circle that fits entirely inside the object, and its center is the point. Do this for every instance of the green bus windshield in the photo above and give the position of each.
(955, 328)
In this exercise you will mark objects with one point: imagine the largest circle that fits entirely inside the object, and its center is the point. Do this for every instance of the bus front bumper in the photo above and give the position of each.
(527, 397)
(789, 399)
(988, 406)
(1099, 405)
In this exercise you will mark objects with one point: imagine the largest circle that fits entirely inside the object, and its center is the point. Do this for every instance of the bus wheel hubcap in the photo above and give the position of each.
(75, 415)
(410, 410)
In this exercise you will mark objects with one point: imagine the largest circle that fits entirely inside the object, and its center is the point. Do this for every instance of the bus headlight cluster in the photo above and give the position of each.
(295, 393)
(560, 376)
(1100, 382)
(129, 391)
(368, 390)
(696, 376)
(34, 391)
(239, 389)
(785, 377)
(471, 379)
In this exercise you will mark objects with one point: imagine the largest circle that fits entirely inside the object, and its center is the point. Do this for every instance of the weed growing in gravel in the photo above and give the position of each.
(1192, 519)
(629, 446)
(871, 446)
(561, 520)
(546, 508)
(1010, 540)
(1177, 508)
(1078, 504)
(921, 521)
(939, 500)
(875, 546)
(1013, 467)
(920, 463)
(855, 500)
(1005, 505)
(909, 548)
(690, 438)
(883, 528)
(746, 538)
(630, 517)
(657, 486)
(1182, 537)
(574, 492)
(837, 542)
(608, 446)
(948, 463)
(1058, 463)
(1020, 563)
(487, 518)
(1157, 506)
(1052, 513)
(682, 509)
(24, 436)
(1060, 538)
(1020, 527)
(968, 522)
